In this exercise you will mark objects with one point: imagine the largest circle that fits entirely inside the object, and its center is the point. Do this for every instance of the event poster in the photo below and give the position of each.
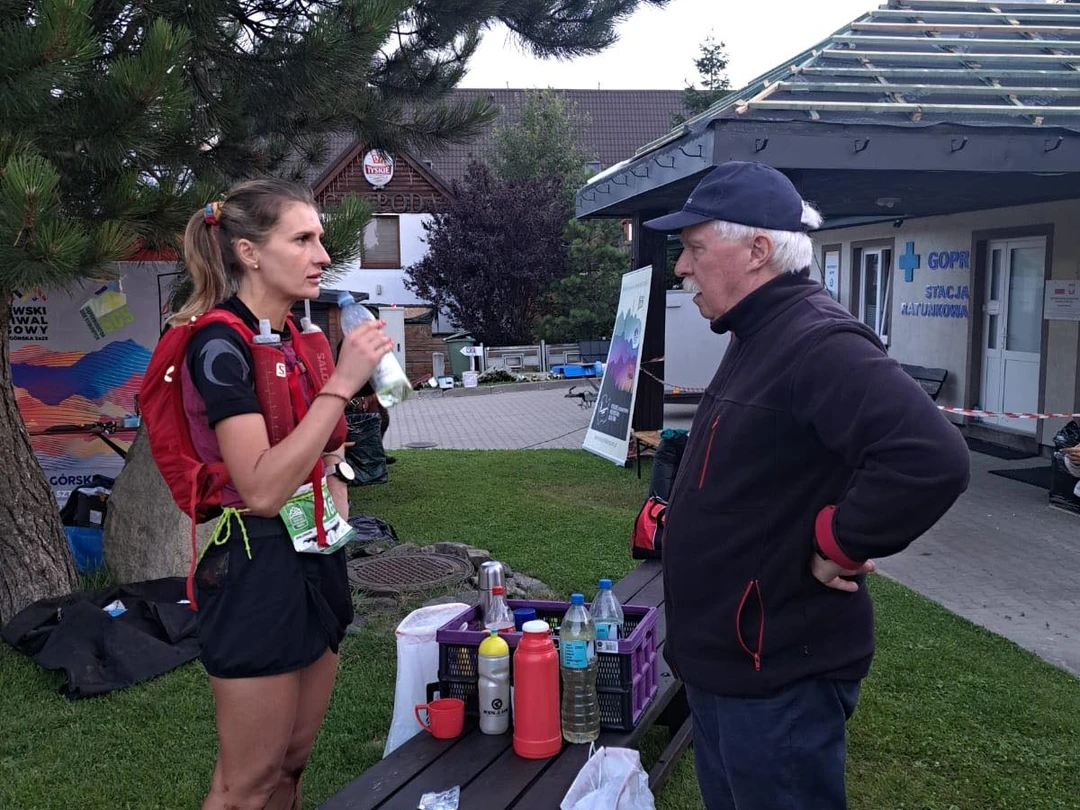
(77, 360)
(609, 430)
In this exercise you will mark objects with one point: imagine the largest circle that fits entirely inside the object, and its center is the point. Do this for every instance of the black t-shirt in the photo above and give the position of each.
(220, 364)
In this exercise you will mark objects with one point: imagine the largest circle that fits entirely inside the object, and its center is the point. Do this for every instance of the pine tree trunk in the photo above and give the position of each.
(146, 535)
(35, 561)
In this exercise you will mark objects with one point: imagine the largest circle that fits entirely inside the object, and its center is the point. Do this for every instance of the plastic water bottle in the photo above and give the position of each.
(389, 381)
(577, 661)
(493, 667)
(499, 617)
(266, 334)
(607, 616)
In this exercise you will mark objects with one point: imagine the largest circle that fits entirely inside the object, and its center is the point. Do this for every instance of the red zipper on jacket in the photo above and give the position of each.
(752, 585)
(708, 452)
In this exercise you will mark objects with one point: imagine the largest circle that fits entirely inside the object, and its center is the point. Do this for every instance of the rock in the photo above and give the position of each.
(478, 556)
(453, 549)
(146, 536)
(402, 548)
(524, 586)
(357, 625)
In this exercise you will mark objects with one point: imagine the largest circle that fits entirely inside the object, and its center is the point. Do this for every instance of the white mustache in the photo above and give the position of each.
(690, 286)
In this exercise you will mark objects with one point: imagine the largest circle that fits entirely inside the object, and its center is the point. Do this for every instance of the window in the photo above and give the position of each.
(382, 243)
(875, 289)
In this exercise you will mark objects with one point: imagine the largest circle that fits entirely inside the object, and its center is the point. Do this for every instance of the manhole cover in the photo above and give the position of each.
(421, 445)
(408, 572)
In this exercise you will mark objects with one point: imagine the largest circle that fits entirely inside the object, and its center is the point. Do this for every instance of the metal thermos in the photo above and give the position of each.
(491, 573)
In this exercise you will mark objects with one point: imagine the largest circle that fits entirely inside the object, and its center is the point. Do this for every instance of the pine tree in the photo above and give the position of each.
(120, 117)
(711, 66)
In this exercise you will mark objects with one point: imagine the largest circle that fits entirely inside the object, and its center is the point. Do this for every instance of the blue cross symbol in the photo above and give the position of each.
(909, 261)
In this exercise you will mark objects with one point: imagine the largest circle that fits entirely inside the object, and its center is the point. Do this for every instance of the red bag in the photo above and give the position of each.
(196, 485)
(647, 536)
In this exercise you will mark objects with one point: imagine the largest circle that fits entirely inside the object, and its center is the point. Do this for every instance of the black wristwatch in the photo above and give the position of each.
(342, 470)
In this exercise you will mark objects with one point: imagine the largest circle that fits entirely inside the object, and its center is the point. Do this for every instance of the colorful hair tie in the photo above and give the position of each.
(212, 214)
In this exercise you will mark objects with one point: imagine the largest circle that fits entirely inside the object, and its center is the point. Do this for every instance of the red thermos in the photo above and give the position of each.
(537, 729)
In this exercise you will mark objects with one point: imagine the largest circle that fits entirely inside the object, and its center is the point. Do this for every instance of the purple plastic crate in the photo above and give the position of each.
(626, 677)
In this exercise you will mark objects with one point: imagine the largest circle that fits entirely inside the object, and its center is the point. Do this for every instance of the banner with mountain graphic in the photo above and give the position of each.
(77, 362)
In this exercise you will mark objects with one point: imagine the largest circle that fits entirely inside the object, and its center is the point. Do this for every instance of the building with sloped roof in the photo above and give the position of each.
(941, 140)
(410, 187)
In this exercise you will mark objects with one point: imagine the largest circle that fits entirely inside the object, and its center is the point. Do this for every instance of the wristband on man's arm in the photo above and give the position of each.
(825, 542)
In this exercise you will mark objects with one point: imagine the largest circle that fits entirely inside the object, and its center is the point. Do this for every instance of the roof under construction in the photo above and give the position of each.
(997, 74)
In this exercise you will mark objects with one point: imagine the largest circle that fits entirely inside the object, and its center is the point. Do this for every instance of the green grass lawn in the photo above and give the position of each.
(951, 717)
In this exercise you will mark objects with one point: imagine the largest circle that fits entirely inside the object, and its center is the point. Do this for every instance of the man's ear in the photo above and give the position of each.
(761, 251)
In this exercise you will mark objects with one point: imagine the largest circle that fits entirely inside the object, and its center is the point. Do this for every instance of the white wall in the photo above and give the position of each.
(943, 342)
(388, 286)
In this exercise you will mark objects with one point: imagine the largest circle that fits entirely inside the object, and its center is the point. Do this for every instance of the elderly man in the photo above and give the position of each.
(811, 452)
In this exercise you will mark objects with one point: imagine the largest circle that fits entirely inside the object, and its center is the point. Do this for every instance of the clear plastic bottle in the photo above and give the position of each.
(499, 617)
(389, 381)
(577, 662)
(607, 616)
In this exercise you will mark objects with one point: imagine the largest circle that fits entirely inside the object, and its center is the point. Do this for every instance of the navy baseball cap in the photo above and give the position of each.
(746, 193)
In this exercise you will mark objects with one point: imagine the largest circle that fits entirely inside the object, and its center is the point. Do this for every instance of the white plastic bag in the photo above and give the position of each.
(417, 666)
(612, 779)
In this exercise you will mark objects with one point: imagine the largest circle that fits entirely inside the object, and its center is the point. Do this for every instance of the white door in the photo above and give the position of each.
(1012, 329)
(875, 280)
(395, 328)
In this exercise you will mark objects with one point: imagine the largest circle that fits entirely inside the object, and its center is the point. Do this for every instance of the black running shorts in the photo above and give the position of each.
(277, 612)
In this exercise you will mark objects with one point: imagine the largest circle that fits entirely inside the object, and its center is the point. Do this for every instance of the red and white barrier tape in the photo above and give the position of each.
(1006, 414)
(946, 408)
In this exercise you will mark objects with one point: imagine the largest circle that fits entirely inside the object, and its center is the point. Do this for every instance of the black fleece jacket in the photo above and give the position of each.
(808, 438)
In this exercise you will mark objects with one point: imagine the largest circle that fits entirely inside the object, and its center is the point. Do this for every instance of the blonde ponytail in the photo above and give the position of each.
(249, 211)
(205, 264)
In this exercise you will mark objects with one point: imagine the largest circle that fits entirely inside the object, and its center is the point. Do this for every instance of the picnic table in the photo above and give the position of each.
(491, 775)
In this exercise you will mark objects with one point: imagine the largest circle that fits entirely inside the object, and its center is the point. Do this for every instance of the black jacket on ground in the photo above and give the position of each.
(809, 436)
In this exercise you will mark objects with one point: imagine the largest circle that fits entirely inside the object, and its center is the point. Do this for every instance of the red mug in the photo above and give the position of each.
(446, 717)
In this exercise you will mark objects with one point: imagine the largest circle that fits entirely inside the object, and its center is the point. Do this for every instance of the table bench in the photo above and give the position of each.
(491, 776)
(643, 439)
(931, 379)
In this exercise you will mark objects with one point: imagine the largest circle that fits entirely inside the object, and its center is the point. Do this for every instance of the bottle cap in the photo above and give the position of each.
(497, 590)
(264, 327)
(344, 299)
(577, 599)
(494, 645)
(605, 584)
(536, 626)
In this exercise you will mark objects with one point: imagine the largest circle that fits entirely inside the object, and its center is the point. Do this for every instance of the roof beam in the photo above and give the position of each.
(960, 42)
(1027, 16)
(1002, 27)
(937, 73)
(926, 5)
(893, 106)
(937, 56)
(896, 87)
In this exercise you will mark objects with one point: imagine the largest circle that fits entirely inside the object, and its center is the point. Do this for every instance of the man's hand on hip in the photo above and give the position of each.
(831, 574)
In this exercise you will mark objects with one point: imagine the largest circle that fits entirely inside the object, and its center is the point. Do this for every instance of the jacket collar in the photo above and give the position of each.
(765, 304)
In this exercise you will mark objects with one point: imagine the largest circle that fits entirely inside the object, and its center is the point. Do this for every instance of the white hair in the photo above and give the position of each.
(792, 250)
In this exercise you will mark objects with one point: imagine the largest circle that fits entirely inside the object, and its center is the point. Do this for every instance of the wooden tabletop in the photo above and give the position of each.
(490, 775)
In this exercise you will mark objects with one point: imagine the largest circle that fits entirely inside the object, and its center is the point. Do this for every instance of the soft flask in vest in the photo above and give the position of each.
(537, 730)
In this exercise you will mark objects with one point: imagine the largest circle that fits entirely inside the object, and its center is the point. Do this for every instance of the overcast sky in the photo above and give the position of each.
(656, 47)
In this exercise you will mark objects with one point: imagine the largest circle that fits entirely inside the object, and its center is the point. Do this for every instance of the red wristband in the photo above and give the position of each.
(826, 540)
